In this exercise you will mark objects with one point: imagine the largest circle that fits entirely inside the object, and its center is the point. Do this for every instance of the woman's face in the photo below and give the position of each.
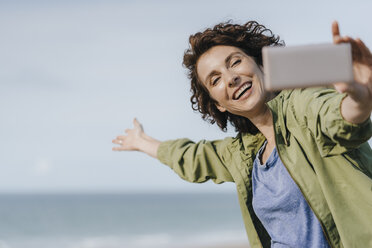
(233, 80)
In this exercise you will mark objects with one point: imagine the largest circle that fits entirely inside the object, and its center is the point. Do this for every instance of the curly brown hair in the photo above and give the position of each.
(250, 38)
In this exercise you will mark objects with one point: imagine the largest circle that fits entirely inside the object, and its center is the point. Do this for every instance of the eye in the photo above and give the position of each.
(215, 81)
(235, 62)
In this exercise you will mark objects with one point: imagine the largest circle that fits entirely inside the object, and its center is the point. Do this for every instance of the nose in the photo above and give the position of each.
(234, 80)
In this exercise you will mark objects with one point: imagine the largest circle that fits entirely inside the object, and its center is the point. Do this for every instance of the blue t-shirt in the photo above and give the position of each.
(281, 207)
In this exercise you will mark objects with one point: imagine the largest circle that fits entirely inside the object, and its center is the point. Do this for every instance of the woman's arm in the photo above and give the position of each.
(198, 162)
(193, 162)
(357, 105)
(137, 140)
(318, 110)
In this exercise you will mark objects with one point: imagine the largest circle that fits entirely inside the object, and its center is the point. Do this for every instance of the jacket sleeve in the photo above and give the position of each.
(319, 109)
(196, 162)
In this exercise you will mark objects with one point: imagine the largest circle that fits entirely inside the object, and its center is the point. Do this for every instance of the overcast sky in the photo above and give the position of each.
(73, 75)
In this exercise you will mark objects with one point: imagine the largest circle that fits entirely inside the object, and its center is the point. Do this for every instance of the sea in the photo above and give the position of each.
(144, 220)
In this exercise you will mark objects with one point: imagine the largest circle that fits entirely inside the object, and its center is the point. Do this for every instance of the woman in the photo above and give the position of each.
(300, 161)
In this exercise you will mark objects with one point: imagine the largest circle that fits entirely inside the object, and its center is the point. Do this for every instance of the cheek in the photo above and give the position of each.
(218, 93)
(246, 68)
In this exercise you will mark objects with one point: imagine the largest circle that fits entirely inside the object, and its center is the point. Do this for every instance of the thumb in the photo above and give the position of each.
(137, 124)
(341, 87)
(356, 91)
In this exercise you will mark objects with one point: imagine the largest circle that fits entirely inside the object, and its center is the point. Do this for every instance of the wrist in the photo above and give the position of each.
(148, 145)
(142, 142)
(355, 111)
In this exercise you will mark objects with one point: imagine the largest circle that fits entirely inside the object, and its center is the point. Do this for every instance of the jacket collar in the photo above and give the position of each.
(253, 142)
(278, 107)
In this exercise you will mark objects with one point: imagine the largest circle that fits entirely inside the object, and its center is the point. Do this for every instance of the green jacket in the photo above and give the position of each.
(329, 159)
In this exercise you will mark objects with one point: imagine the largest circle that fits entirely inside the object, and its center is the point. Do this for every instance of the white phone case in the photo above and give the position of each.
(304, 66)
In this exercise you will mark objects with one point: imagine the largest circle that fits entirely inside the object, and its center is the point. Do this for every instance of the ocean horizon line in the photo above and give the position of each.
(116, 192)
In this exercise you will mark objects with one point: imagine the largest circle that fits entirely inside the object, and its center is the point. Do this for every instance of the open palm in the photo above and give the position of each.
(129, 142)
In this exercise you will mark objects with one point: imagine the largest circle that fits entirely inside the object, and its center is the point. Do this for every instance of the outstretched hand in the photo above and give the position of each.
(136, 140)
(130, 141)
(360, 90)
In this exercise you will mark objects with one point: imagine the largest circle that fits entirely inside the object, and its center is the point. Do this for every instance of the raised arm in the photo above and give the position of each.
(136, 140)
(319, 111)
(357, 105)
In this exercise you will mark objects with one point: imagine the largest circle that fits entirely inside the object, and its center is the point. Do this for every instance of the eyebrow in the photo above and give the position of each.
(227, 61)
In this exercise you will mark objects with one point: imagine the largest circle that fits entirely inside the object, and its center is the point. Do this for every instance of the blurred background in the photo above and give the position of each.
(73, 75)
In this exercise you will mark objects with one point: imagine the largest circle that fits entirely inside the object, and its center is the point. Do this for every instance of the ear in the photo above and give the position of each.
(220, 108)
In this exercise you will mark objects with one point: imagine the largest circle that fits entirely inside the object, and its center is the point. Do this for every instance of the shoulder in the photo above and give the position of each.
(302, 95)
(306, 102)
(244, 143)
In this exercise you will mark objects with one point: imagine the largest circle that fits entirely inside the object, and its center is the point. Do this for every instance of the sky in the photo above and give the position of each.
(73, 75)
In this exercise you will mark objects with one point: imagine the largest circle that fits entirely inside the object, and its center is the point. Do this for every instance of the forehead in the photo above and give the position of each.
(215, 54)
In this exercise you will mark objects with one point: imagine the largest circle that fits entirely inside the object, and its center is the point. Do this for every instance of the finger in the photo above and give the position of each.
(118, 148)
(118, 142)
(127, 130)
(341, 87)
(137, 124)
(344, 39)
(362, 46)
(356, 50)
(335, 31)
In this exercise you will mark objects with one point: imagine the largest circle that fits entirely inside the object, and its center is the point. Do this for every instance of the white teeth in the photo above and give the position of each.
(243, 88)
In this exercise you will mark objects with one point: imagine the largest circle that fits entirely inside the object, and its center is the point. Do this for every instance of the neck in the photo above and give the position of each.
(263, 120)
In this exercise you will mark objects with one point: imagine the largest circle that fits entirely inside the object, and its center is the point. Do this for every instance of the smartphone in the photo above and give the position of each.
(306, 65)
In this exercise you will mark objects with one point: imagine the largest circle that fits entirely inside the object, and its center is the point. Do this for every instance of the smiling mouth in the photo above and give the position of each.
(242, 89)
